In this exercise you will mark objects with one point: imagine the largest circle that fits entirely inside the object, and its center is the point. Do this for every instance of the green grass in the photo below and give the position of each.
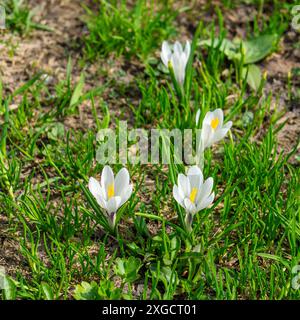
(19, 17)
(131, 31)
(243, 247)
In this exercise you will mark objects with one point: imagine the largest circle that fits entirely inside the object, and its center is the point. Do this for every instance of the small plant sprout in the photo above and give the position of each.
(111, 193)
(176, 57)
(213, 128)
(193, 194)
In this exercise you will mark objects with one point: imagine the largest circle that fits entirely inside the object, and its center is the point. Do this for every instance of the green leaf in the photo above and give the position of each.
(56, 132)
(255, 49)
(128, 269)
(225, 45)
(27, 85)
(258, 48)
(253, 76)
(86, 291)
(48, 293)
(78, 91)
(275, 258)
(9, 288)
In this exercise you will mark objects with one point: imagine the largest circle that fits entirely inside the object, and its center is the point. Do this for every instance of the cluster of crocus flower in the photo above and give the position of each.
(192, 192)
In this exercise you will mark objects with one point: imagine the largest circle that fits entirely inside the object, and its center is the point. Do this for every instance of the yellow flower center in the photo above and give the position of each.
(214, 123)
(111, 191)
(193, 194)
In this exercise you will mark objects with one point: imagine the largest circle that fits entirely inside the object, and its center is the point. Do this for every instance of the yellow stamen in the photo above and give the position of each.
(193, 194)
(110, 191)
(214, 123)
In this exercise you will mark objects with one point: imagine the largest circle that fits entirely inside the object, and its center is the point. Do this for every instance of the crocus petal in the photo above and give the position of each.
(195, 177)
(126, 194)
(218, 113)
(97, 192)
(178, 195)
(206, 202)
(107, 178)
(176, 65)
(227, 125)
(189, 206)
(205, 189)
(121, 182)
(94, 186)
(184, 185)
(177, 48)
(113, 205)
(165, 53)
(206, 136)
(208, 117)
(219, 135)
(187, 50)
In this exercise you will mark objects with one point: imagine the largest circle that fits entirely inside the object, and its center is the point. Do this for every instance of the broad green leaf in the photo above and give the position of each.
(258, 48)
(255, 49)
(48, 293)
(128, 268)
(86, 291)
(9, 288)
(253, 76)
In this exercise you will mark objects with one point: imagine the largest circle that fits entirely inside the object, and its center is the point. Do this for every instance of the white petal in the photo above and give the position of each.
(121, 182)
(107, 178)
(177, 194)
(102, 203)
(205, 190)
(195, 177)
(207, 135)
(94, 186)
(97, 192)
(113, 205)
(189, 206)
(176, 65)
(187, 51)
(218, 113)
(126, 194)
(227, 125)
(184, 185)
(165, 53)
(219, 135)
(206, 202)
(208, 117)
(177, 48)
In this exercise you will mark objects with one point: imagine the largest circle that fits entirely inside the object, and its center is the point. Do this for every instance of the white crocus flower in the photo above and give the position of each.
(111, 193)
(193, 194)
(177, 57)
(213, 129)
